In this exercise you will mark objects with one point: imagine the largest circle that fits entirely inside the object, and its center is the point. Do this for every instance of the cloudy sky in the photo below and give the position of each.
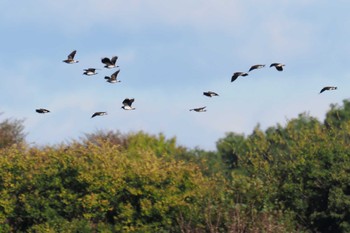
(169, 53)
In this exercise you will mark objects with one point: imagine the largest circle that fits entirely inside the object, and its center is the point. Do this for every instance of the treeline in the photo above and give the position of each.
(292, 178)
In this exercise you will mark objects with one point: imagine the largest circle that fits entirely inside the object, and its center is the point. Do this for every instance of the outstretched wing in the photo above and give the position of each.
(202, 109)
(252, 68)
(98, 114)
(128, 102)
(42, 110)
(328, 88)
(95, 114)
(106, 61)
(234, 76)
(258, 66)
(279, 68)
(72, 54)
(211, 93)
(324, 89)
(115, 74)
(114, 60)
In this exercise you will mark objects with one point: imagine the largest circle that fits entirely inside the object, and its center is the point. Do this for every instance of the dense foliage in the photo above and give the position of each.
(292, 178)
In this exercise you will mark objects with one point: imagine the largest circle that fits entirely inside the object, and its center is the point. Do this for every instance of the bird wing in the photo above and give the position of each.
(212, 93)
(128, 102)
(198, 109)
(115, 74)
(279, 68)
(324, 89)
(253, 68)
(98, 114)
(114, 60)
(106, 61)
(72, 54)
(235, 76)
(42, 110)
(95, 114)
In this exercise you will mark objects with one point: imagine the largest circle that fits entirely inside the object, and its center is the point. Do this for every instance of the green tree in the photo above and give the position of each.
(230, 148)
(337, 115)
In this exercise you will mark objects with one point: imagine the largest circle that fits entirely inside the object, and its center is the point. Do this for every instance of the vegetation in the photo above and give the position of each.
(11, 132)
(292, 178)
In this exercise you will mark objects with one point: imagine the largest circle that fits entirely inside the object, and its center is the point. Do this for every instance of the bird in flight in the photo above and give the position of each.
(127, 104)
(278, 66)
(110, 63)
(237, 74)
(328, 88)
(42, 110)
(99, 114)
(70, 58)
(202, 109)
(90, 71)
(210, 93)
(113, 78)
(254, 67)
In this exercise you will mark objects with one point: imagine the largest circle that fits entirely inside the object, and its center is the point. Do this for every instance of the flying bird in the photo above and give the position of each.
(127, 104)
(328, 88)
(113, 78)
(90, 71)
(70, 58)
(110, 63)
(210, 93)
(237, 74)
(278, 66)
(202, 109)
(42, 110)
(254, 67)
(99, 114)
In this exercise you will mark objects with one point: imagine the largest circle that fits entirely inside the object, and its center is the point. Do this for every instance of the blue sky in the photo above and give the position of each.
(169, 53)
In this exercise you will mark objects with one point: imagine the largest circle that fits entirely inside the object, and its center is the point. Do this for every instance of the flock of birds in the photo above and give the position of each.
(236, 75)
(110, 63)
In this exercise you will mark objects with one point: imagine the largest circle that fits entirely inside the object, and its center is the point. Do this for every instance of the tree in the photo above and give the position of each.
(230, 148)
(338, 114)
(11, 132)
(100, 136)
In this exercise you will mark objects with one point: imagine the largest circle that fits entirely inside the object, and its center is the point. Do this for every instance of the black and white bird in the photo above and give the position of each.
(278, 66)
(42, 110)
(127, 104)
(113, 77)
(328, 88)
(90, 71)
(70, 58)
(237, 74)
(254, 67)
(202, 109)
(210, 93)
(110, 63)
(99, 114)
